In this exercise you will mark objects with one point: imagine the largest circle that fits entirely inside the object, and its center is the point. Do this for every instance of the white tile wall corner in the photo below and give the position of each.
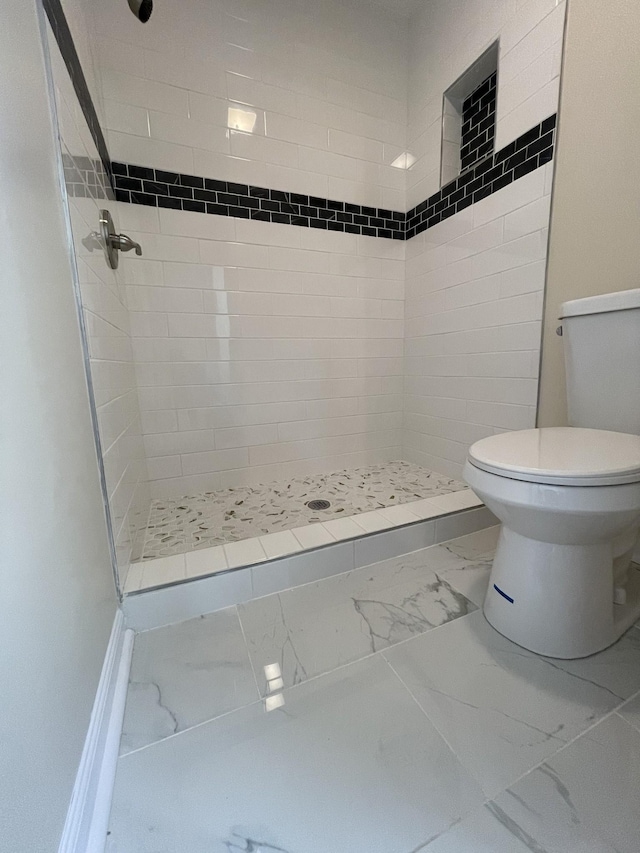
(324, 84)
(106, 319)
(474, 283)
(446, 38)
(262, 351)
(473, 314)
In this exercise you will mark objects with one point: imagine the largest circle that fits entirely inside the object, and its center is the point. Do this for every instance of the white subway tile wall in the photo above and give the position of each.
(295, 95)
(262, 351)
(475, 282)
(446, 38)
(106, 320)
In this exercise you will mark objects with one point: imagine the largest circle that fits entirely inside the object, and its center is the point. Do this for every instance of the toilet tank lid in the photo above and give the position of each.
(623, 300)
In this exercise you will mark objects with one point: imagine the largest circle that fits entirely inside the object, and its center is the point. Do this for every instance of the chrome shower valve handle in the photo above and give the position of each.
(125, 244)
(112, 242)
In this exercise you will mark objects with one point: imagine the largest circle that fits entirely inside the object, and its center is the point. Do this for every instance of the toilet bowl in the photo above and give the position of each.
(569, 497)
(569, 502)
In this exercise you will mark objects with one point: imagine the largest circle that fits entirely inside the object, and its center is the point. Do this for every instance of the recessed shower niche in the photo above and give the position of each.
(469, 117)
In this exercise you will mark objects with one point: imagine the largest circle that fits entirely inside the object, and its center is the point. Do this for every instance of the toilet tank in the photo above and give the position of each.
(602, 359)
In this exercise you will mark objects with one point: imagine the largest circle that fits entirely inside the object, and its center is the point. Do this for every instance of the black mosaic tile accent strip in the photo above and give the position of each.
(159, 188)
(478, 123)
(530, 151)
(62, 34)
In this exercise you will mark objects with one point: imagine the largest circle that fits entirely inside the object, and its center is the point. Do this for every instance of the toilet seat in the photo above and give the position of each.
(563, 456)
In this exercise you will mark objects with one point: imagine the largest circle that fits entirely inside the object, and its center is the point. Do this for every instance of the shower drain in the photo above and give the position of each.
(318, 504)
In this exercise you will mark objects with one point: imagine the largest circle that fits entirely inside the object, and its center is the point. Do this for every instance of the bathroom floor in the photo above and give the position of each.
(376, 711)
(198, 521)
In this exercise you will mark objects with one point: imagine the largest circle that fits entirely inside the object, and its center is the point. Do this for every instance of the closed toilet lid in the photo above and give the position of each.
(566, 456)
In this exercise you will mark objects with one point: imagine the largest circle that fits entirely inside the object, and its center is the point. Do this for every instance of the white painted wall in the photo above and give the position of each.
(593, 246)
(105, 313)
(474, 283)
(57, 584)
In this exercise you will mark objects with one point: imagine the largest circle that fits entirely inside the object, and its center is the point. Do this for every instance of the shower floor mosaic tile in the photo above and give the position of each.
(203, 520)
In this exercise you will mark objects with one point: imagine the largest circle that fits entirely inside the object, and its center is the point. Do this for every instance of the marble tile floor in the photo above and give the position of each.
(376, 711)
(188, 523)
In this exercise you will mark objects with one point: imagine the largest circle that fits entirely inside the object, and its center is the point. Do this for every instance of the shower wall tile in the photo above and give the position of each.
(530, 49)
(293, 94)
(475, 282)
(473, 314)
(265, 353)
(105, 316)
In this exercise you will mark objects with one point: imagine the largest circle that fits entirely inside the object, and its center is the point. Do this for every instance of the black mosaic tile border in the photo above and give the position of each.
(62, 33)
(158, 188)
(530, 151)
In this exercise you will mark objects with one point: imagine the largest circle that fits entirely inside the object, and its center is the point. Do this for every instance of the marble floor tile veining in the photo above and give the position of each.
(214, 518)
(347, 762)
(504, 709)
(376, 711)
(315, 628)
(184, 674)
(586, 799)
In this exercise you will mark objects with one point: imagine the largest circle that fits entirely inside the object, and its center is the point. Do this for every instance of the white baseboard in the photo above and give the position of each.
(85, 829)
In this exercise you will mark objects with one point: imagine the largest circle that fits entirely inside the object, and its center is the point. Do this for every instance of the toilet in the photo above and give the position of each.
(568, 498)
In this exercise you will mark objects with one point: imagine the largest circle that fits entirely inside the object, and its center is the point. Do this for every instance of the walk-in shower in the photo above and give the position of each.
(343, 237)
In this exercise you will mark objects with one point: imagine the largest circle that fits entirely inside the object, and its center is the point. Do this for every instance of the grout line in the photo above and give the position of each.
(436, 729)
(606, 716)
(188, 729)
(286, 690)
(246, 645)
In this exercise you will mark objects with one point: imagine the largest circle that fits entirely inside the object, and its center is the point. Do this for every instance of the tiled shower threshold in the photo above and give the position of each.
(397, 490)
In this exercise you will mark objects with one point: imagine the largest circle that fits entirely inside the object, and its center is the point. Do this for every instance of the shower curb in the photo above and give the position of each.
(195, 597)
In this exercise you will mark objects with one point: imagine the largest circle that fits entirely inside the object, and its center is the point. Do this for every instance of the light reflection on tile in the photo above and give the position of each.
(314, 628)
(184, 674)
(346, 762)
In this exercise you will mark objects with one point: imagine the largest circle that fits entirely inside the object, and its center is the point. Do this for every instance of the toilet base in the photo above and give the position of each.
(557, 600)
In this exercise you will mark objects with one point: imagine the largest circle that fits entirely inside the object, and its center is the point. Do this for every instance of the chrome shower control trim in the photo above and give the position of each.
(113, 242)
